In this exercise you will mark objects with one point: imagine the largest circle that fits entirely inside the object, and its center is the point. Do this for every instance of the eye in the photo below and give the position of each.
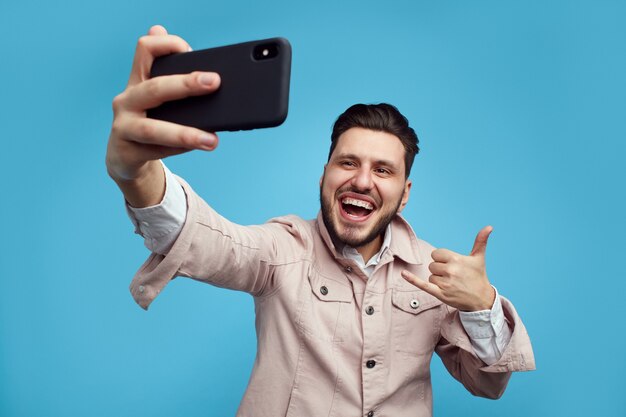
(382, 171)
(347, 163)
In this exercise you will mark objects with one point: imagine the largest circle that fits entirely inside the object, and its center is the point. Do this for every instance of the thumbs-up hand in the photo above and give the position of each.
(458, 280)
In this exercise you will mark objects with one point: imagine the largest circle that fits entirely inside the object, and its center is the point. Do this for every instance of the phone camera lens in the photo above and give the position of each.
(265, 51)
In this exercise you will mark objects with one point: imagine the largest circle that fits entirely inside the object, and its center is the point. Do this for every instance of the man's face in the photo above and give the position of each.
(363, 186)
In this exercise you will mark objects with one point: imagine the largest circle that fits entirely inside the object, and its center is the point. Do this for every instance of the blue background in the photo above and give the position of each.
(520, 108)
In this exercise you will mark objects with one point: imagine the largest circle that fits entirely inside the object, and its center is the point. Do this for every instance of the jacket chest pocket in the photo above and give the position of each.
(326, 308)
(416, 318)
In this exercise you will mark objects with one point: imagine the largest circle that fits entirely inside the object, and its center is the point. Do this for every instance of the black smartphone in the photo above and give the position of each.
(254, 92)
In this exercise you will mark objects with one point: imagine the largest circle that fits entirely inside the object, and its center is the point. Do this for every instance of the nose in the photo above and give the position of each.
(362, 179)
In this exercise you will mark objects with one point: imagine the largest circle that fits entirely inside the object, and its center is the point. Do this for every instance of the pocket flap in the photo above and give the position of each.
(327, 289)
(413, 302)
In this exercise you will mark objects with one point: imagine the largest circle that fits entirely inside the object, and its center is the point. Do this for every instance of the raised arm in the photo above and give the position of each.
(136, 142)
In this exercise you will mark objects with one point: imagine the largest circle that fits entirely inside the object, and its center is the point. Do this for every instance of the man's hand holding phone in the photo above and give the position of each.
(136, 142)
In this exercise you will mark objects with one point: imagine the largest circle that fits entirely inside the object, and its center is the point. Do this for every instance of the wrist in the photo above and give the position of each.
(145, 189)
(486, 300)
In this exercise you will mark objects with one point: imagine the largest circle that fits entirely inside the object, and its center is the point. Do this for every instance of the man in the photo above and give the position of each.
(346, 324)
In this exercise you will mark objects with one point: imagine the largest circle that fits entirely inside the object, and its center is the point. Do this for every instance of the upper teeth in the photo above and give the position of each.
(358, 203)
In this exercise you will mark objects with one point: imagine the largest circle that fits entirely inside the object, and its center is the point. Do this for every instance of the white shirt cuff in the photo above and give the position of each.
(488, 331)
(161, 224)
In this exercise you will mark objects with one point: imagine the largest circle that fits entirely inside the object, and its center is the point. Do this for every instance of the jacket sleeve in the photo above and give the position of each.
(214, 250)
(458, 356)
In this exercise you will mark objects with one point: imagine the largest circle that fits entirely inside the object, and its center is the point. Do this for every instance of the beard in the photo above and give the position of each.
(353, 236)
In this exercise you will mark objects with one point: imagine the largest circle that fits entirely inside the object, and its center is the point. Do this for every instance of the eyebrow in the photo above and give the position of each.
(384, 162)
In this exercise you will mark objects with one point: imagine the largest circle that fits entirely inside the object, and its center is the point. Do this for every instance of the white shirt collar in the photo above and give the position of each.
(351, 253)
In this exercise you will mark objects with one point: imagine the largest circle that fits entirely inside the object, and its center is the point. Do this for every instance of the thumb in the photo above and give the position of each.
(480, 244)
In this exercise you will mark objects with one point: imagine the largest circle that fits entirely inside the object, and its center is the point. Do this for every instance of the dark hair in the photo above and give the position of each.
(381, 117)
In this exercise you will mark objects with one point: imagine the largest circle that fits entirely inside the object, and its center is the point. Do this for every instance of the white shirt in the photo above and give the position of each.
(160, 226)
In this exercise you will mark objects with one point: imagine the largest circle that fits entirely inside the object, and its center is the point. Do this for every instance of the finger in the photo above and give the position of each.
(157, 30)
(443, 255)
(161, 133)
(430, 288)
(150, 47)
(158, 90)
(438, 280)
(480, 243)
(154, 152)
(438, 268)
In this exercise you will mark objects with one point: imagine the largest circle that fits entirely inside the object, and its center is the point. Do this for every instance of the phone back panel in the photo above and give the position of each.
(254, 93)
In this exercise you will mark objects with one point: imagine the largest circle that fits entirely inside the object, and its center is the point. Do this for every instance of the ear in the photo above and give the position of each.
(405, 195)
(322, 177)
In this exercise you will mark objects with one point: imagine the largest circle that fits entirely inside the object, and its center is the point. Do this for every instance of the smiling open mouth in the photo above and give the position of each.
(355, 208)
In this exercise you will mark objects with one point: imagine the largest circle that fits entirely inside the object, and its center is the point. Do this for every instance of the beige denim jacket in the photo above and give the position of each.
(330, 341)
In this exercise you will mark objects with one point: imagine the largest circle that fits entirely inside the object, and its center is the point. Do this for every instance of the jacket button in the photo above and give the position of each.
(324, 290)
(369, 310)
(348, 269)
(370, 414)
(142, 289)
(370, 364)
(415, 304)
